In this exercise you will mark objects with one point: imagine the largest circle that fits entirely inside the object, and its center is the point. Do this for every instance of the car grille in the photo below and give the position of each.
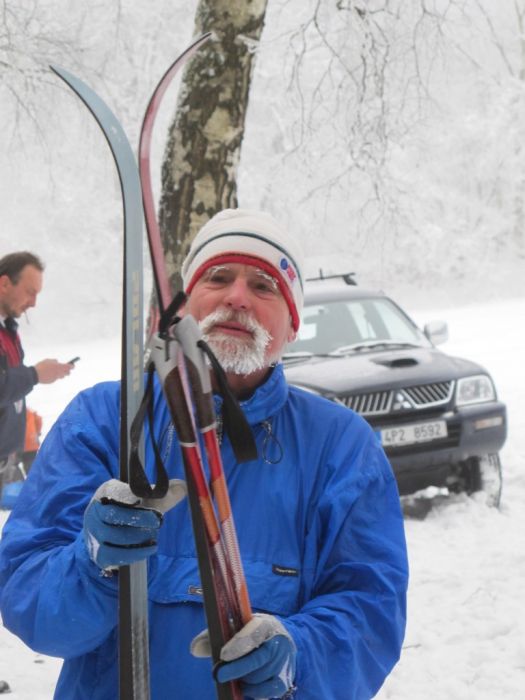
(429, 394)
(376, 403)
(381, 403)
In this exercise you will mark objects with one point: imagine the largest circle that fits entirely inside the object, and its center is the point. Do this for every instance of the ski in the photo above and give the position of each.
(179, 356)
(185, 378)
(160, 276)
(133, 602)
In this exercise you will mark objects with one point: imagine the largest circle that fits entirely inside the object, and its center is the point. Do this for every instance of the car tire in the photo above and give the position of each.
(484, 474)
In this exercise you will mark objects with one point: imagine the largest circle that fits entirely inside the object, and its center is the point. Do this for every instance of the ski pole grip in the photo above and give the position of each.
(203, 402)
(164, 357)
(174, 392)
(188, 334)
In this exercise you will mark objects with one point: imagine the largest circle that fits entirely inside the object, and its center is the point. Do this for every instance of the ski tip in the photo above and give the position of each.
(61, 73)
(200, 40)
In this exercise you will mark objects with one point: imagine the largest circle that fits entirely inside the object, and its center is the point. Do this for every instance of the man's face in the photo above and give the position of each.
(243, 316)
(16, 298)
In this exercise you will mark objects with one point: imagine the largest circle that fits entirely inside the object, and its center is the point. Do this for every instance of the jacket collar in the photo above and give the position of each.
(267, 399)
(9, 323)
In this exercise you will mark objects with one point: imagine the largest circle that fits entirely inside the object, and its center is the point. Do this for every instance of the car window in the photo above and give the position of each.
(394, 324)
(332, 325)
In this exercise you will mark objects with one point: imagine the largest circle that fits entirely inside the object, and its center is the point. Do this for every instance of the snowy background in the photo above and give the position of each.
(446, 239)
(466, 630)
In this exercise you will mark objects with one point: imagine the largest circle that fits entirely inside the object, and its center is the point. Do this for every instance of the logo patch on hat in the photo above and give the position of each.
(288, 269)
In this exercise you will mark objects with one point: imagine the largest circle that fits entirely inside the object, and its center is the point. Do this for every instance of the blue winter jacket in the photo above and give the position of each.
(320, 531)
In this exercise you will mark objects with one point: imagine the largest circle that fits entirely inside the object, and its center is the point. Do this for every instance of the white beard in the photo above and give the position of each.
(237, 355)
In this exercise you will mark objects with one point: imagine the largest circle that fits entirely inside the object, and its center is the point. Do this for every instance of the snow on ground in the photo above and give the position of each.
(466, 630)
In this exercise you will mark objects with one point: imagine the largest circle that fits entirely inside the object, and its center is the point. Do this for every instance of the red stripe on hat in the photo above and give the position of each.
(242, 259)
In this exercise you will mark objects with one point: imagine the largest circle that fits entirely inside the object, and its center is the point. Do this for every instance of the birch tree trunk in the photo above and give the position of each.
(205, 137)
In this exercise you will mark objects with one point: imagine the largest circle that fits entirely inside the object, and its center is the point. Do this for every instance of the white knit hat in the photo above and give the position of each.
(251, 238)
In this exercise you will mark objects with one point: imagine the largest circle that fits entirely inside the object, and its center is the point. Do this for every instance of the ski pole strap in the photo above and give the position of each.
(138, 480)
(137, 477)
(168, 316)
(234, 421)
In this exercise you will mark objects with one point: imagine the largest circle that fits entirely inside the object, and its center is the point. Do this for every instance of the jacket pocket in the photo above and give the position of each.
(174, 580)
(272, 588)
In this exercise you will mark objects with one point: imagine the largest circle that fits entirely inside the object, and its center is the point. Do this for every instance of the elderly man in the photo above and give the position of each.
(317, 514)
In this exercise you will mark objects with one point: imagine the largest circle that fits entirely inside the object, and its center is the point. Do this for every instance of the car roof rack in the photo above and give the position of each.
(348, 277)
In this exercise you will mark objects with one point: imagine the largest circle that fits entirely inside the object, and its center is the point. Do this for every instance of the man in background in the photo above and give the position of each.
(21, 276)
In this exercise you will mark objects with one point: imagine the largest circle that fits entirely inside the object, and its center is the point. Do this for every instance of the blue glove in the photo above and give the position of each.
(121, 528)
(261, 655)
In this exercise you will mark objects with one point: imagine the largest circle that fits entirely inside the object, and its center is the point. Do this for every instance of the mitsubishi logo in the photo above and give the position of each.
(401, 402)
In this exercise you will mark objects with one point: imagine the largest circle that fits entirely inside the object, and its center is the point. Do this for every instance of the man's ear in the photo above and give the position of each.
(292, 335)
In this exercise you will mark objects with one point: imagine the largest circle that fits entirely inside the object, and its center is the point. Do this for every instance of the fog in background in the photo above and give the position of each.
(416, 183)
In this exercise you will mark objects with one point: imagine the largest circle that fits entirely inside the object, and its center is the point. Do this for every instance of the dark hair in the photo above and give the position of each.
(13, 264)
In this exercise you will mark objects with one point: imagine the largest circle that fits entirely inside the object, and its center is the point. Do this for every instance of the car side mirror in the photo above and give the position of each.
(436, 332)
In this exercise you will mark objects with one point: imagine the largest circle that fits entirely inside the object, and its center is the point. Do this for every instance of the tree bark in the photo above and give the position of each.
(204, 139)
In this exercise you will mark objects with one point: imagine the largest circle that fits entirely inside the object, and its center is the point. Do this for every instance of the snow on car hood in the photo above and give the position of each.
(377, 369)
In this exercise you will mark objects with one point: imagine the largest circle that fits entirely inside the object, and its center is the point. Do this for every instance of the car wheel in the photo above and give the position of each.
(484, 474)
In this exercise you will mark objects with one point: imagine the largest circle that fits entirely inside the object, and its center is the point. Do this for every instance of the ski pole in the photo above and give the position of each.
(216, 582)
(188, 333)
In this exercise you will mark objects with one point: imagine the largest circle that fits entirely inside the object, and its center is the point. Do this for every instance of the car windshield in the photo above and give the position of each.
(345, 326)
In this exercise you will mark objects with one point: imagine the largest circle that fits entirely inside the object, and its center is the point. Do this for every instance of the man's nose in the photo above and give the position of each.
(238, 294)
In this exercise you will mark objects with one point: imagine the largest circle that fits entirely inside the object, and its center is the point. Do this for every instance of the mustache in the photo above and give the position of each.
(243, 318)
(241, 356)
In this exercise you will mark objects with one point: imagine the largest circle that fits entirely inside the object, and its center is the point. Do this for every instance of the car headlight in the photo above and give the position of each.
(477, 389)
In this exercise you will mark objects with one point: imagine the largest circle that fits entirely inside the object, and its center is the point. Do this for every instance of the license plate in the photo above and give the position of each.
(410, 434)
